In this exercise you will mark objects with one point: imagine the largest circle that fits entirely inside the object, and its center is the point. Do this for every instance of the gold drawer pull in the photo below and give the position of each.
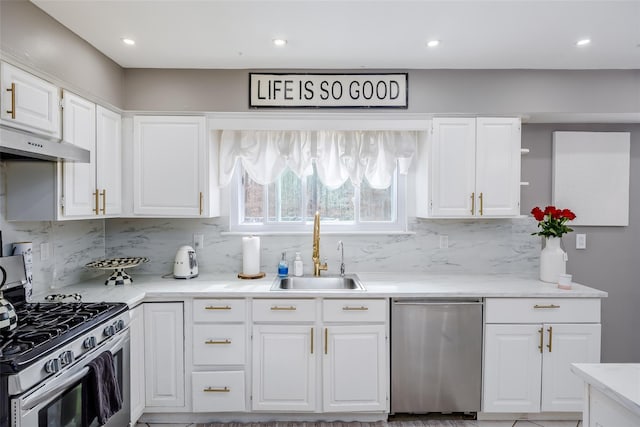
(104, 201)
(481, 204)
(217, 390)
(361, 308)
(13, 100)
(226, 341)
(278, 308)
(97, 202)
(473, 203)
(217, 307)
(546, 306)
(550, 330)
(311, 340)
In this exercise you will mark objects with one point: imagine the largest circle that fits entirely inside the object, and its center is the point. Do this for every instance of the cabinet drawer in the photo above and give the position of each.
(218, 391)
(354, 310)
(540, 310)
(218, 344)
(284, 310)
(219, 310)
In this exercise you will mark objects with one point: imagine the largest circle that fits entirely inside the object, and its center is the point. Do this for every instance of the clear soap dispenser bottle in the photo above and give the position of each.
(283, 267)
(298, 266)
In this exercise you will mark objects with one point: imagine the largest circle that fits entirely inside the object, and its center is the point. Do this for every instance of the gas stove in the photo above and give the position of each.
(45, 358)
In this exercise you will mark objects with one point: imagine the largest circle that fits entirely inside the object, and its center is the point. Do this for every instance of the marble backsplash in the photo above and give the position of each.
(474, 246)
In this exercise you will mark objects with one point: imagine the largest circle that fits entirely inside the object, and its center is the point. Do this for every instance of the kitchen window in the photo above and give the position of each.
(279, 179)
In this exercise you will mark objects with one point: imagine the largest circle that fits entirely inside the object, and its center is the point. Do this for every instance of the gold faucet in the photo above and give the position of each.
(317, 266)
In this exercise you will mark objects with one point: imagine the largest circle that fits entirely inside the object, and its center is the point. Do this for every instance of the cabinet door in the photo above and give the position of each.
(512, 368)
(565, 344)
(136, 329)
(498, 166)
(453, 167)
(79, 179)
(355, 369)
(164, 354)
(109, 161)
(169, 159)
(29, 103)
(284, 368)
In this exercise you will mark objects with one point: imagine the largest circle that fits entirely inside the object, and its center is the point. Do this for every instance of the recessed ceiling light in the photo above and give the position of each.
(583, 42)
(433, 43)
(279, 42)
(128, 41)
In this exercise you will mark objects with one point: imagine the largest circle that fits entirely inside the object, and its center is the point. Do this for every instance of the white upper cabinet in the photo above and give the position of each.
(473, 169)
(173, 167)
(109, 161)
(29, 103)
(91, 189)
(79, 179)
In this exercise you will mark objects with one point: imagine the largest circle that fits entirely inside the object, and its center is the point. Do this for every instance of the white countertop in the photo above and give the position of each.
(619, 381)
(377, 285)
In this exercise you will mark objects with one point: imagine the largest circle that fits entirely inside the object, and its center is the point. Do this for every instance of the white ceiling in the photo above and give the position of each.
(372, 34)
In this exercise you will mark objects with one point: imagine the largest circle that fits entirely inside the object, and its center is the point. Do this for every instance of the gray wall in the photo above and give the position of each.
(505, 92)
(32, 39)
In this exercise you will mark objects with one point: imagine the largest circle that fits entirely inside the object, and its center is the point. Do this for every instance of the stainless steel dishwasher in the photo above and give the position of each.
(436, 355)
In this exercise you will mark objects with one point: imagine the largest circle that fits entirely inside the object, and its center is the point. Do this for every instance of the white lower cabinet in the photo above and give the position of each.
(335, 350)
(137, 380)
(527, 362)
(218, 391)
(606, 412)
(219, 355)
(164, 356)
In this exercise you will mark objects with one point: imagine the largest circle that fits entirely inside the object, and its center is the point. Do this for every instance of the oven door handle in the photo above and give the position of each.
(45, 395)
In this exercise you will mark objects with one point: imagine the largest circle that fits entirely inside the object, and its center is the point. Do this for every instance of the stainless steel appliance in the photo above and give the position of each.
(44, 373)
(185, 265)
(436, 355)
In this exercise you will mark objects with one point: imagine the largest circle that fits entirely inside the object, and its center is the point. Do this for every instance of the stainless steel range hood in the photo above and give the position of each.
(25, 145)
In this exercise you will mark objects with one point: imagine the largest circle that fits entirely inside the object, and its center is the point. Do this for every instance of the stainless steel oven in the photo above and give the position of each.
(63, 399)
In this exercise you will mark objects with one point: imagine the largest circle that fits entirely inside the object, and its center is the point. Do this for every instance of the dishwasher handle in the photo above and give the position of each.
(437, 302)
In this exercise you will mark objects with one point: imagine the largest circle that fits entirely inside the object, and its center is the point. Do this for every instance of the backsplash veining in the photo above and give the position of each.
(475, 246)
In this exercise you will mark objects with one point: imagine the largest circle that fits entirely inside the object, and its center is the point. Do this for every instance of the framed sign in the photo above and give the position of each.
(267, 90)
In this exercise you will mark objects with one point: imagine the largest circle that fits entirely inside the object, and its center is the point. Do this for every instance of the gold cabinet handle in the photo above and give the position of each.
(217, 389)
(326, 340)
(546, 306)
(97, 202)
(201, 202)
(541, 332)
(481, 203)
(361, 308)
(311, 340)
(217, 307)
(550, 330)
(12, 89)
(104, 201)
(225, 341)
(473, 203)
(279, 308)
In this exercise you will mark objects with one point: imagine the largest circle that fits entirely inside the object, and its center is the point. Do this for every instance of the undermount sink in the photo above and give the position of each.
(348, 282)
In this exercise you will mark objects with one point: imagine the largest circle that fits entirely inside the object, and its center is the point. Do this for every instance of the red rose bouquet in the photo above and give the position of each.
(552, 221)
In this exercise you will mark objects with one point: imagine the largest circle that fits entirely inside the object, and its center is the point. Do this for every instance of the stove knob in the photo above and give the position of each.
(67, 357)
(109, 331)
(89, 343)
(52, 366)
(120, 325)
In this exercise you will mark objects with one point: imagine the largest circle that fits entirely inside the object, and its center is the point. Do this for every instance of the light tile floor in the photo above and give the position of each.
(415, 423)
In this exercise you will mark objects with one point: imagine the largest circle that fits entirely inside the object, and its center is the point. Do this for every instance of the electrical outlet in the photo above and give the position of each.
(444, 242)
(581, 241)
(198, 241)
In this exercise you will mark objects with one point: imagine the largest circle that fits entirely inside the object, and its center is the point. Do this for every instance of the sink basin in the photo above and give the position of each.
(350, 282)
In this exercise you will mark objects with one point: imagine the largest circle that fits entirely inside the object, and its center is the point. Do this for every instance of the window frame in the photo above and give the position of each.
(236, 209)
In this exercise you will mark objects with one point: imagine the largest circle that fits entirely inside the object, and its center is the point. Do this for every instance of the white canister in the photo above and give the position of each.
(26, 250)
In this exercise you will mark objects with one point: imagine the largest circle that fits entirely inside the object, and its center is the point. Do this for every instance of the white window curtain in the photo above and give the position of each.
(339, 155)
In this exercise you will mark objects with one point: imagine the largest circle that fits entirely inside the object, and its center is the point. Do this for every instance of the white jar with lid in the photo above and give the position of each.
(298, 267)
